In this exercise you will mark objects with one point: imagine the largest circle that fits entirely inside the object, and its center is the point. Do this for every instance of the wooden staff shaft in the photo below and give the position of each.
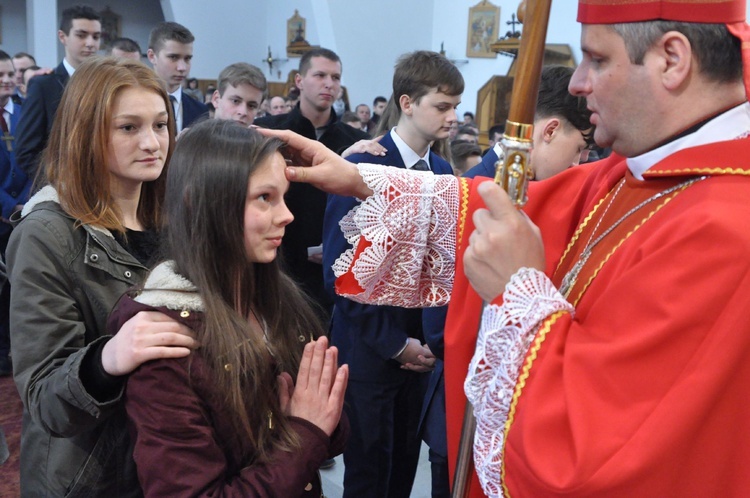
(513, 171)
(465, 461)
(530, 57)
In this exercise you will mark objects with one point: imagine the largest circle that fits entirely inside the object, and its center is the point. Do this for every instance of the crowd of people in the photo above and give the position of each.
(243, 286)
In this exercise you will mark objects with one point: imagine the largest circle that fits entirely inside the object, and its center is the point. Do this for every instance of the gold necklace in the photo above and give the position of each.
(570, 279)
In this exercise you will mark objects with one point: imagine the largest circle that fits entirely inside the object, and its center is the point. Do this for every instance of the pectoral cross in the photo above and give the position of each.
(8, 139)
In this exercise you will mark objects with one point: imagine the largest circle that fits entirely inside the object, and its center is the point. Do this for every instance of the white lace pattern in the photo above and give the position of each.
(410, 222)
(504, 339)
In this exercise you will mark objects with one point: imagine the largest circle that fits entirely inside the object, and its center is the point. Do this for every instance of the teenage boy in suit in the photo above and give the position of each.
(80, 33)
(170, 51)
(389, 365)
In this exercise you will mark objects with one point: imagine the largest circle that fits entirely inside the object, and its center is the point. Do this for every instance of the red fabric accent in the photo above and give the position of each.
(346, 284)
(742, 31)
(617, 11)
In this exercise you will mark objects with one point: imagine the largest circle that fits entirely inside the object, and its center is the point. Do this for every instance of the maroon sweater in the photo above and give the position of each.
(184, 442)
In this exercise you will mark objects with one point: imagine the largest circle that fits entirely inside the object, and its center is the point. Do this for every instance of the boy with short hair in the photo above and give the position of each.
(125, 48)
(21, 61)
(378, 106)
(352, 120)
(240, 92)
(170, 51)
(383, 345)
(562, 133)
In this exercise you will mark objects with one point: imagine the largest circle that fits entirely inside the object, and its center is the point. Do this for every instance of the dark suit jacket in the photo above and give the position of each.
(368, 336)
(192, 110)
(42, 99)
(485, 168)
(432, 420)
(307, 203)
(14, 184)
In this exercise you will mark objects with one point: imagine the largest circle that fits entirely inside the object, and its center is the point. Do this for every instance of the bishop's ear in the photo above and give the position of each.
(675, 56)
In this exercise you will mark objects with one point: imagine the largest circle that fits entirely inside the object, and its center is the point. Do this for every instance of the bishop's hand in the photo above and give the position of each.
(312, 162)
(504, 240)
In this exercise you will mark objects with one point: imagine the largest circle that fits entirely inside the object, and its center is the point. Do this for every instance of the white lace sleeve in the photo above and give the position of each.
(410, 223)
(504, 339)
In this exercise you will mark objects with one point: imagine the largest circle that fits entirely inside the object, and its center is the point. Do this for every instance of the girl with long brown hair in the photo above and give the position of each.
(84, 239)
(228, 420)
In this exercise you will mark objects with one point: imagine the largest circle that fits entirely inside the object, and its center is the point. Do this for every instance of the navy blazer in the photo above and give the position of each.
(14, 184)
(368, 336)
(42, 100)
(432, 419)
(485, 168)
(192, 110)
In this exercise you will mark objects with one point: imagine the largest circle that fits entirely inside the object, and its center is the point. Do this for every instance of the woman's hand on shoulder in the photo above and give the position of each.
(318, 396)
(149, 335)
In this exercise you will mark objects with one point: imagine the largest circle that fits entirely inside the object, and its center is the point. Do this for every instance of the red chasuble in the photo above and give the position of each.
(643, 392)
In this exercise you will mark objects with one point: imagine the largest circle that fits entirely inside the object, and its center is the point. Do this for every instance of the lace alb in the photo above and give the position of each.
(505, 335)
(410, 223)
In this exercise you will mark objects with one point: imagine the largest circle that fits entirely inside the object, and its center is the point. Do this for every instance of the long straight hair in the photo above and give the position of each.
(75, 160)
(205, 204)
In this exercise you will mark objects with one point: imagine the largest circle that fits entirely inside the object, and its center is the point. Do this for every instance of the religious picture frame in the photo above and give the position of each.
(296, 30)
(483, 26)
(111, 28)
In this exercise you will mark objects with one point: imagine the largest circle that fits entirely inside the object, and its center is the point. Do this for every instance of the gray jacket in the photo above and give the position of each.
(65, 281)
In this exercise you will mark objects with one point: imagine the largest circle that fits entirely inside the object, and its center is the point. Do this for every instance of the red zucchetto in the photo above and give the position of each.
(702, 11)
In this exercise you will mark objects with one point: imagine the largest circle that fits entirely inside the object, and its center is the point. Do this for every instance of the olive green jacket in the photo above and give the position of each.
(65, 280)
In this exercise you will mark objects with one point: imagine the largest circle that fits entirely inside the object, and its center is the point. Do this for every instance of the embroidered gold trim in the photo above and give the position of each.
(463, 210)
(521, 383)
(702, 171)
(622, 241)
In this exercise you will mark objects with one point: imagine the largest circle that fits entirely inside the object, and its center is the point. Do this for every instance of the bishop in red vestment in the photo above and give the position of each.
(611, 359)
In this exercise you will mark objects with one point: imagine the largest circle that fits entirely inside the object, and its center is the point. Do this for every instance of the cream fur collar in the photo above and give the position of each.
(164, 287)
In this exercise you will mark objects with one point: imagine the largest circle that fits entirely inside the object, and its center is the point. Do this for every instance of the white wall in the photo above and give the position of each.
(225, 32)
(13, 26)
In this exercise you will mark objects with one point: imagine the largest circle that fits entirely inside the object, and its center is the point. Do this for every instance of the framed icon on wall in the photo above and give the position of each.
(484, 22)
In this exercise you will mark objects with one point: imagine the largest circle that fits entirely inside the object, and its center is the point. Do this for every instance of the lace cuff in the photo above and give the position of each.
(504, 339)
(408, 231)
